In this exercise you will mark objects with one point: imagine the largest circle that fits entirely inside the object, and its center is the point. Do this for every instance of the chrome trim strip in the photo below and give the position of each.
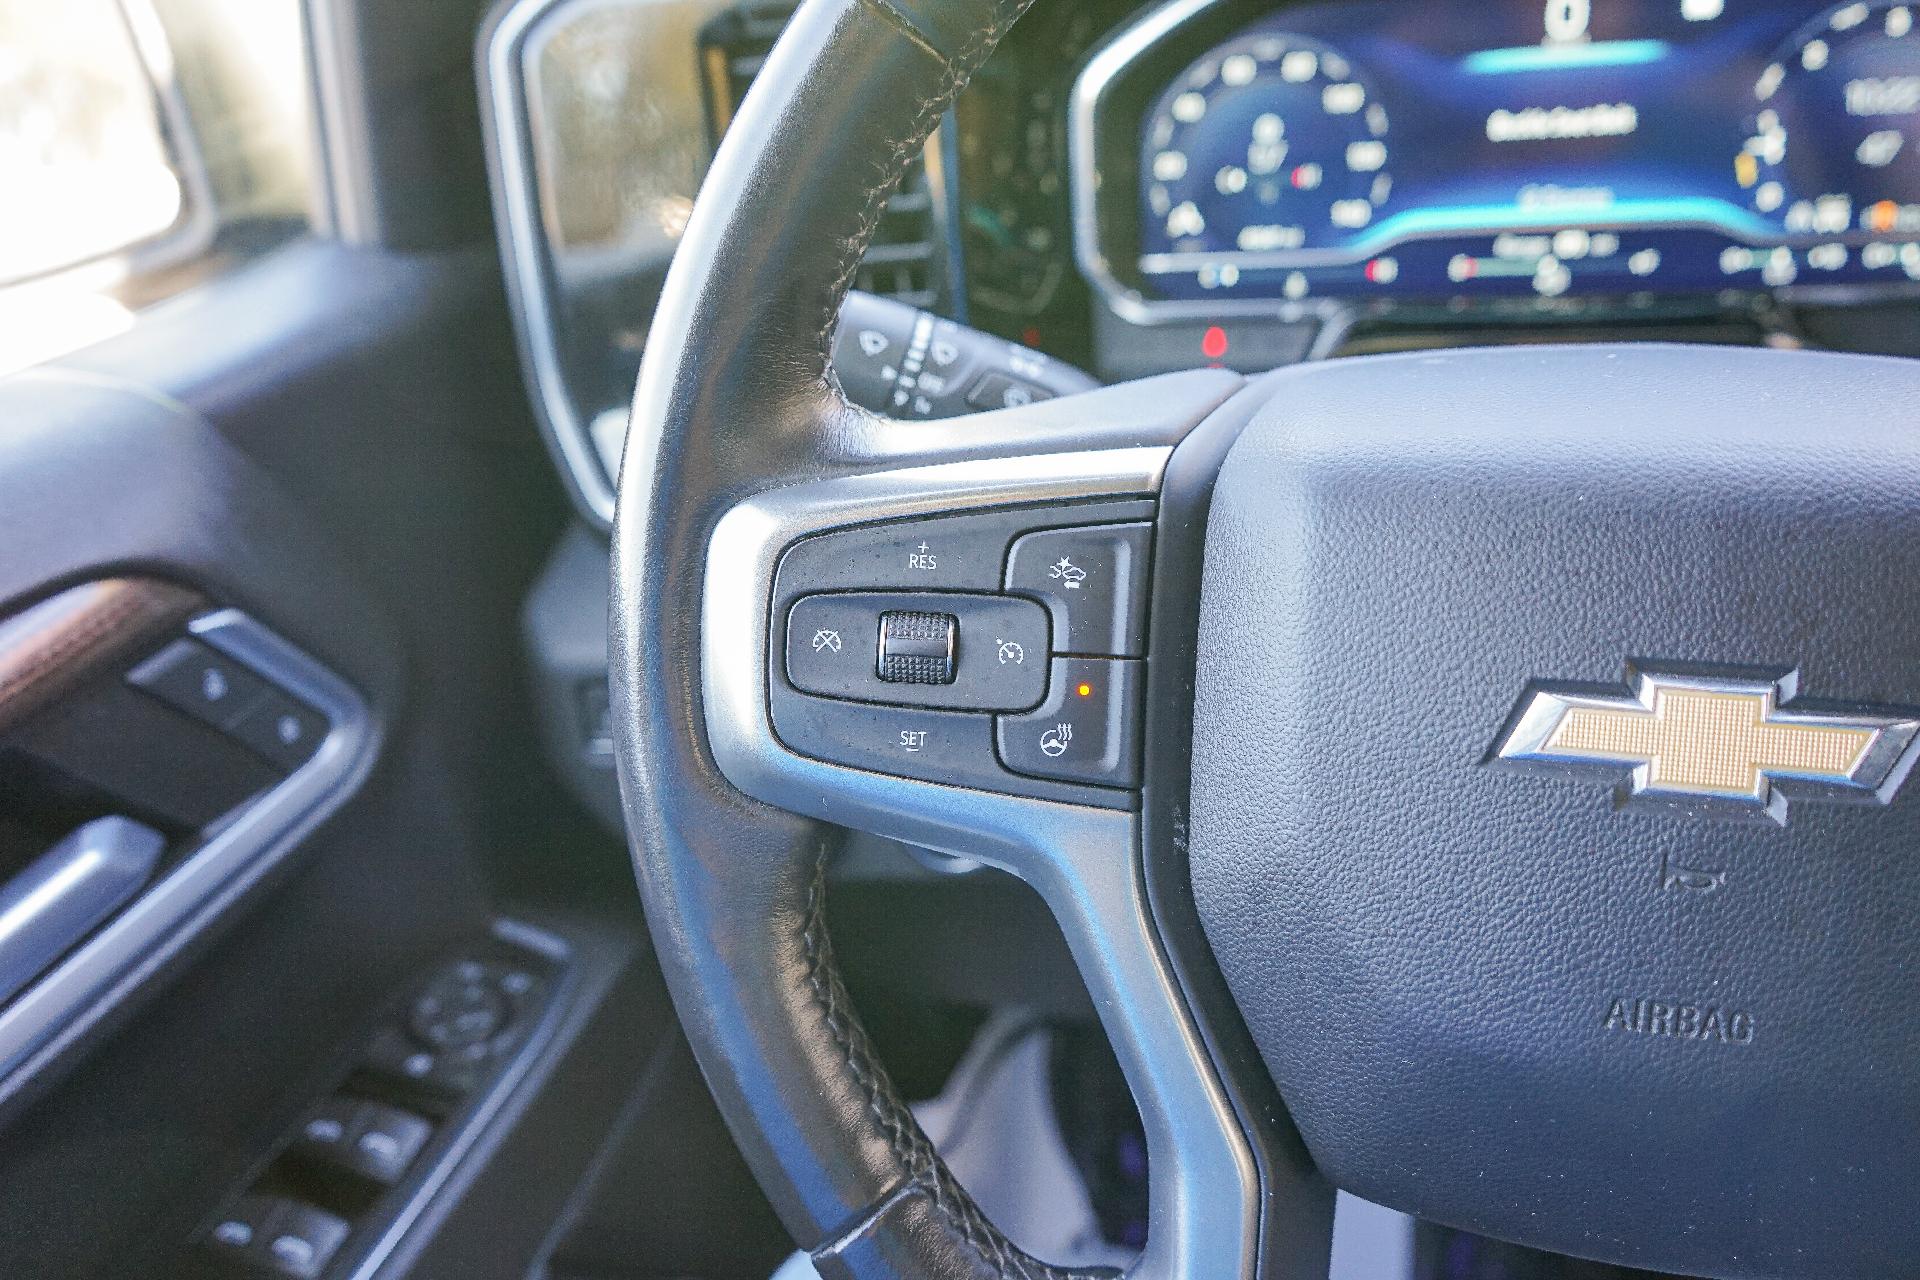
(57, 1009)
(1203, 1211)
(344, 196)
(67, 891)
(523, 251)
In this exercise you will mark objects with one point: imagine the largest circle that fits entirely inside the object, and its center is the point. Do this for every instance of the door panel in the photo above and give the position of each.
(334, 443)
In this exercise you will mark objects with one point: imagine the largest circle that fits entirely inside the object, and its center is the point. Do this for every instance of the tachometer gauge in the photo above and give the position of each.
(1832, 145)
(1269, 144)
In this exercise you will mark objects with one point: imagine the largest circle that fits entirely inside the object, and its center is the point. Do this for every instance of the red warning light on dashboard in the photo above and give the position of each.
(1213, 343)
(1382, 270)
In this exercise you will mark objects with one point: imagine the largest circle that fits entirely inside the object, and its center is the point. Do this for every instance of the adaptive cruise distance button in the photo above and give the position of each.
(835, 646)
(1093, 582)
(1088, 728)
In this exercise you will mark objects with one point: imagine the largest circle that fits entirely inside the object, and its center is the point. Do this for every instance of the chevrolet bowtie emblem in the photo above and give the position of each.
(1686, 738)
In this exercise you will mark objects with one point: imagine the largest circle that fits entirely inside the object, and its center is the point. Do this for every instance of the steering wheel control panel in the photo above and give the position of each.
(1003, 651)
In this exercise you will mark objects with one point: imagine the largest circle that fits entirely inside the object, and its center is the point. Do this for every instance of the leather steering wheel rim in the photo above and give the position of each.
(736, 394)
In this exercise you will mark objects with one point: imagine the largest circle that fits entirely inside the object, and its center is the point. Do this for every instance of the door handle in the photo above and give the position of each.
(64, 893)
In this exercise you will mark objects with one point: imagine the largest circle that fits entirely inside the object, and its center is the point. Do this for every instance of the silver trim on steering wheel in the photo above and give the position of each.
(1203, 1209)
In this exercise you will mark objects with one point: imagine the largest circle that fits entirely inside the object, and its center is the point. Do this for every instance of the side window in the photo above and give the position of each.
(145, 145)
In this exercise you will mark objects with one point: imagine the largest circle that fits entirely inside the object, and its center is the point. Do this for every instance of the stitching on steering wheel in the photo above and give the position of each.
(958, 70)
(853, 246)
(925, 1171)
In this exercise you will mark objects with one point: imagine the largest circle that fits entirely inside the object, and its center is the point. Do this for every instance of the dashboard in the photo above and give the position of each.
(1139, 187)
(1461, 148)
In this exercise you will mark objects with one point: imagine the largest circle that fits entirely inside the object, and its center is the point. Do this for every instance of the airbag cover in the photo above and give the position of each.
(1502, 998)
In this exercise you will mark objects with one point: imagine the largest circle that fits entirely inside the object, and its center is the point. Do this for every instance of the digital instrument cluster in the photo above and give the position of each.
(1457, 148)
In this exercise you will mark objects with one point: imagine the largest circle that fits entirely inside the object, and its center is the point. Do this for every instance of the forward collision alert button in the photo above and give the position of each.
(1088, 728)
(1093, 582)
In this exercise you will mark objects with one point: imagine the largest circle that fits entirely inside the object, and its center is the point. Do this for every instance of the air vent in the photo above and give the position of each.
(908, 257)
(733, 47)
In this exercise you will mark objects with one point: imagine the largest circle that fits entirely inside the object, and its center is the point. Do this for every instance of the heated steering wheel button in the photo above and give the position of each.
(1086, 731)
(919, 649)
(1094, 583)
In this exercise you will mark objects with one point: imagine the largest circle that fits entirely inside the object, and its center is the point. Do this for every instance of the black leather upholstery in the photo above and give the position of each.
(736, 397)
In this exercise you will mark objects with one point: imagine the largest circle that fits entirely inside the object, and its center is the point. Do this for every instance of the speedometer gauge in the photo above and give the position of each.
(1622, 153)
(1834, 143)
(1269, 144)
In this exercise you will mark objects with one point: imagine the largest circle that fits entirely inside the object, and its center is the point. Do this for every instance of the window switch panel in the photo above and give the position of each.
(386, 1141)
(301, 1240)
(274, 1236)
(364, 1140)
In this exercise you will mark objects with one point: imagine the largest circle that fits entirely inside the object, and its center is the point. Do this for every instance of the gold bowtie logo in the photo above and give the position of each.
(1691, 738)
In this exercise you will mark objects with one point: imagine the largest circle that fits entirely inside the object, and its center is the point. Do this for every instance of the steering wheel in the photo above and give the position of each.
(1517, 838)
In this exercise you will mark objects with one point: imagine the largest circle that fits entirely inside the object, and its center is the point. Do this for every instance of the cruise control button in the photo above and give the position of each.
(937, 746)
(1094, 583)
(918, 648)
(1087, 730)
(948, 553)
(1000, 649)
